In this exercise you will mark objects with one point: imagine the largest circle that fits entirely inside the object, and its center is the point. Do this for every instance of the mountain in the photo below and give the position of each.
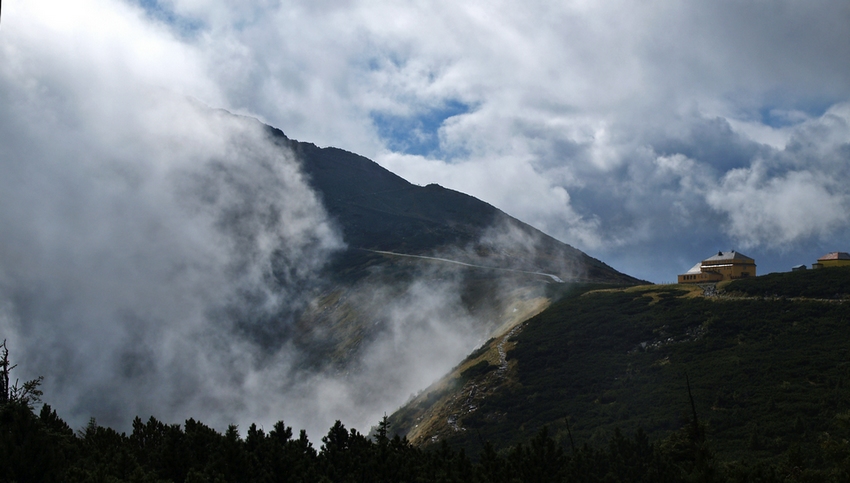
(401, 237)
(378, 210)
(766, 362)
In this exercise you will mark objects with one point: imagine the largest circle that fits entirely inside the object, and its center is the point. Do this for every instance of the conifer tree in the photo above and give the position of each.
(26, 394)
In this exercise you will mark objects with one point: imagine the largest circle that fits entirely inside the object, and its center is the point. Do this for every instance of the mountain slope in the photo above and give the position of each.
(426, 275)
(378, 210)
(769, 375)
(423, 258)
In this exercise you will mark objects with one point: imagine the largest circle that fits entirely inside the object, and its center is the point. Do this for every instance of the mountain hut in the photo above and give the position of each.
(834, 259)
(729, 265)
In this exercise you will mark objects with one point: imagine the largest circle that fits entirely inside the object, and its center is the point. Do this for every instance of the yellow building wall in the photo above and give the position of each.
(732, 270)
(720, 271)
(833, 263)
(703, 277)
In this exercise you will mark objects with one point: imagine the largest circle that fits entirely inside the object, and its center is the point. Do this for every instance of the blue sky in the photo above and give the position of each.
(163, 12)
(417, 134)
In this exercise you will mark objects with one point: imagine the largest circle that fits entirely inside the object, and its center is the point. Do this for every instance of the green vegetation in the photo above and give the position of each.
(44, 448)
(770, 376)
(477, 370)
(824, 283)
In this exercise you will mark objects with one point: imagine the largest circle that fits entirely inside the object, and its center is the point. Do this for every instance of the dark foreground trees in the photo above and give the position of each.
(41, 447)
(38, 446)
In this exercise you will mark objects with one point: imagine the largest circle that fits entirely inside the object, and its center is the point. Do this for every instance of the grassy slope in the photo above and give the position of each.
(830, 283)
(768, 375)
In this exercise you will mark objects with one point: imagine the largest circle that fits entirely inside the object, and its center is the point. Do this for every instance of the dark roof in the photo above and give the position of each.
(727, 256)
(835, 256)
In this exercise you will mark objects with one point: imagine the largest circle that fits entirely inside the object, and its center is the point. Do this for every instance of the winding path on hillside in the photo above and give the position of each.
(446, 260)
(503, 355)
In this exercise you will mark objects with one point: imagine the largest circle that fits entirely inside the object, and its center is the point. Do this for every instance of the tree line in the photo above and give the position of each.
(40, 446)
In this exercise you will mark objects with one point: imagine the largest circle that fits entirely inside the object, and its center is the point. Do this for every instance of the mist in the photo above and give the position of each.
(143, 275)
(155, 252)
(159, 257)
(169, 278)
(159, 260)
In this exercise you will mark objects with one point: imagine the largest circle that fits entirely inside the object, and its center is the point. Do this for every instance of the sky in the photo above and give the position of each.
(648, 134)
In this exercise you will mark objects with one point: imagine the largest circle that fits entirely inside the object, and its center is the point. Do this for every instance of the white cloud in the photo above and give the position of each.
(571, 104)
(776, 211)
(142, 230)
(797, 194)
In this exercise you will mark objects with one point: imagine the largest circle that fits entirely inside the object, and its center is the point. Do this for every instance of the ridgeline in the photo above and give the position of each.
(767, 360)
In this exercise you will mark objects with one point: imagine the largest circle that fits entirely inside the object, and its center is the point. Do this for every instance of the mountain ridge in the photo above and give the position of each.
(379, 210)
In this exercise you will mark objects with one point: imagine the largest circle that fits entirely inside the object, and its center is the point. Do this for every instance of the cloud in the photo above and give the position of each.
(795, 194)
(778, 210)
(155, 251)
(163, 278)
(158, 253)
(569, 105)
(417, 331)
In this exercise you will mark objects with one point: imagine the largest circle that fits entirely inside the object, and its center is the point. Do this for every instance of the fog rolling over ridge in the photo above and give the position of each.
(165, 269)
(133, 273)
(158, 257)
